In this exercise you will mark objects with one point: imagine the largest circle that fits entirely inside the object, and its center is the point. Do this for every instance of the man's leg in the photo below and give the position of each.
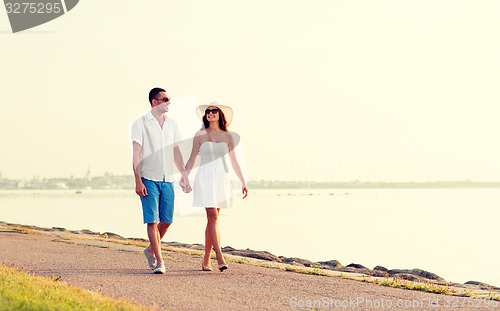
(162, 229)
(154, 246)
(166, 209)
(150, 206)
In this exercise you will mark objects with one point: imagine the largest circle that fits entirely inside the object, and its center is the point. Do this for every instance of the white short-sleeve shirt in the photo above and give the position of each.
(157, 146)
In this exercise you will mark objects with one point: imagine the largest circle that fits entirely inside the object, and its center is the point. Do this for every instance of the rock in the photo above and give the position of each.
(41, 229)
(427, 275)
(86, 231)
(417, 272)
(112, 235)
(362, 271)
(263, 255)
(59, 229)
(139, 240)
(407, 276)
(184, 245)
(380, 268)
(198, 246)
(377, 273)
(357, 266)
(330, 263)
(348, 269)
(303, 262)
(482, 285)
(475, 283)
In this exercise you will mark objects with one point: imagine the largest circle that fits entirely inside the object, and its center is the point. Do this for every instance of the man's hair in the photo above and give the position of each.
(153, 93)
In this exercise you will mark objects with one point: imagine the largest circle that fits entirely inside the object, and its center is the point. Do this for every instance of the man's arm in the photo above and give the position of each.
(140, 189)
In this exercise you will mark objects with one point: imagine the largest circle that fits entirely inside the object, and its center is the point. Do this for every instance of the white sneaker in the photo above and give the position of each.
(159, 269)
(151, 259)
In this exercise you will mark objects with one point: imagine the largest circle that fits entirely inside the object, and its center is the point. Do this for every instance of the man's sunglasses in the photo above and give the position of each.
(214, 111)
(165, 99)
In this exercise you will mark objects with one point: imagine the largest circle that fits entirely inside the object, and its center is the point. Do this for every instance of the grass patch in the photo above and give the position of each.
(265, 265)
(241, 261)
(24, 230)
(22, 291)
(67, 241)
(425, 287)
(315, 270)
(304, 270)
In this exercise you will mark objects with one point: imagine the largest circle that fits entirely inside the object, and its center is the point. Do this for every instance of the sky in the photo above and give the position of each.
(321, 90)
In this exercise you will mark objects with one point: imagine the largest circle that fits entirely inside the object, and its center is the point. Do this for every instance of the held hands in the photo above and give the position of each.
(140, 189)
(184, 183)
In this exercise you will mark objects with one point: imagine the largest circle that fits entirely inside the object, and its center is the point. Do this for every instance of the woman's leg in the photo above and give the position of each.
(218, 232)
(212, 234)
(208, 247)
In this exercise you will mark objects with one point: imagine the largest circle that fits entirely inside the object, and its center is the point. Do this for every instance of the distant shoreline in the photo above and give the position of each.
(126, 182)
(373, 185)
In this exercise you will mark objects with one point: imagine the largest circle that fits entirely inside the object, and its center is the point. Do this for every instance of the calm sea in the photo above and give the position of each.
(451, 232)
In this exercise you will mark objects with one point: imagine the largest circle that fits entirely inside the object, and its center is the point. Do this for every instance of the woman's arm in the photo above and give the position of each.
(236, 166)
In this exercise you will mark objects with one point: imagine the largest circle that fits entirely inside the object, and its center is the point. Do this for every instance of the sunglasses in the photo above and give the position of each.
(165, 99)
(214, 111)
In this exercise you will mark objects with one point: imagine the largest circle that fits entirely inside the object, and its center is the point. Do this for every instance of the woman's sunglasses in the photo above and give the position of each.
(214, 111)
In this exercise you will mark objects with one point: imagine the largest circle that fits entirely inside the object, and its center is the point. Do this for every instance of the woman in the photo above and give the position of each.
(212, 187)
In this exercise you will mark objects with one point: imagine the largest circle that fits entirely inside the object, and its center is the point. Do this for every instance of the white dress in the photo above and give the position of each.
(212, 185)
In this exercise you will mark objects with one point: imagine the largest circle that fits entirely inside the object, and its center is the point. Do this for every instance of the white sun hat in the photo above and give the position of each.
(228, 112)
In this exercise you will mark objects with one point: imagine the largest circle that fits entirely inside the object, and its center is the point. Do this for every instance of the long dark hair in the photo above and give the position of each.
(222, 120)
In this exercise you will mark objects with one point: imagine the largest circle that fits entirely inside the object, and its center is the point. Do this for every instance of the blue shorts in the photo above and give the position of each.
(158, 205)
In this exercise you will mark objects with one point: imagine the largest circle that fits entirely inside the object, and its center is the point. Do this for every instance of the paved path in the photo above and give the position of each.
(122, 273)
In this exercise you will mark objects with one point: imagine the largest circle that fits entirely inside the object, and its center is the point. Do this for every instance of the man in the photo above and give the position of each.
(155, 139)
